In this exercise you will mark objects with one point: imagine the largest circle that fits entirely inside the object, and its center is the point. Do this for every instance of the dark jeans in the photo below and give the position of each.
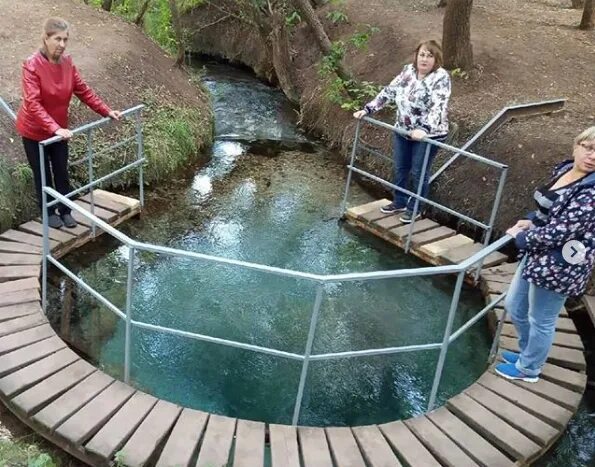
(56, 170)
(408, 164)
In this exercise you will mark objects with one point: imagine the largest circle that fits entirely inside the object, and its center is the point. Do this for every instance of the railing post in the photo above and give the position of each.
(128, 337)
(353, 154)
(420, 186)
(494, 347)
(139, 155)
(91, 175)
(46, 233)
(495, 207)
(307, 352)
(447, 331)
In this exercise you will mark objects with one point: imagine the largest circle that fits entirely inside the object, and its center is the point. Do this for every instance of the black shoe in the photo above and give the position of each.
(69, 221)
(54, 221)
(407, 218)
(391, 209)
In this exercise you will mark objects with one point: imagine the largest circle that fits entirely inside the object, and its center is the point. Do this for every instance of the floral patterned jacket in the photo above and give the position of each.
(571, 217)
(421, 103)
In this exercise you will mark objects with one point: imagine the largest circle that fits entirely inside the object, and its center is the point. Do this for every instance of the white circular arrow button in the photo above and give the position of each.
(574, 252)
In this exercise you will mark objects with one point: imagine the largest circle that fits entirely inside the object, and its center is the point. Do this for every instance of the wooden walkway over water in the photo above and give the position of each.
(494, 422)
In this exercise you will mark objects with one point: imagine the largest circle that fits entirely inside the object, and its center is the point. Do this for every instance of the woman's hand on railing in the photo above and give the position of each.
(64, 133)
(360, 114)
(115, 115)
(417, 135)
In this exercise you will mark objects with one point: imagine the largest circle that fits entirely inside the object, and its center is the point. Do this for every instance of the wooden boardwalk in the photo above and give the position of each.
(494, 422)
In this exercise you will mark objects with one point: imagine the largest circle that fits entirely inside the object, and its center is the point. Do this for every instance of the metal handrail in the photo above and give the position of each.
(321, 280)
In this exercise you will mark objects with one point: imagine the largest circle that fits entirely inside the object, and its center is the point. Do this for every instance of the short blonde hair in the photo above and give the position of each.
(587, 135)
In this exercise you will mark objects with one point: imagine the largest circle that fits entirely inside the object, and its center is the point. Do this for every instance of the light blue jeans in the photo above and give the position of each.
(534, 312)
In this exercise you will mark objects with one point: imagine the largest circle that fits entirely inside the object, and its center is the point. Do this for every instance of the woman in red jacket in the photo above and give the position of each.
(49, 81)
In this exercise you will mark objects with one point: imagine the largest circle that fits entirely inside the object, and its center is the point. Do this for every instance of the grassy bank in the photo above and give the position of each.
(173, 137)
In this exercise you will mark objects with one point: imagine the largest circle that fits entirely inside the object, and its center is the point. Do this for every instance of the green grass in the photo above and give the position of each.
(20, 453)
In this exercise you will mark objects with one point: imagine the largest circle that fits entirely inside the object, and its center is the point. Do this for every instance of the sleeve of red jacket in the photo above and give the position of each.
(32, 98)
(86, 95)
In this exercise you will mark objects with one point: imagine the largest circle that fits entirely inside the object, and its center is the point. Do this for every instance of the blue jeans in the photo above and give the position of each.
(409, 160)
(534, 312)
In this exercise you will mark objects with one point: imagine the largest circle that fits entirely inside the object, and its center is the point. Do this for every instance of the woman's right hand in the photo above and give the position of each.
(359, 114)
(64, 133)
(524, 224)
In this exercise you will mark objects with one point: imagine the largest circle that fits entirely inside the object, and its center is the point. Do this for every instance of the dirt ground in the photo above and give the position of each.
(116, 58)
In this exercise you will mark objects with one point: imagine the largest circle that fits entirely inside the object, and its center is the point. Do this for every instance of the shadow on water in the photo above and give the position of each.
(270, 195)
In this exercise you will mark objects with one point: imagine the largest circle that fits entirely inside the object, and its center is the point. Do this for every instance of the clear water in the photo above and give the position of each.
(268, 195)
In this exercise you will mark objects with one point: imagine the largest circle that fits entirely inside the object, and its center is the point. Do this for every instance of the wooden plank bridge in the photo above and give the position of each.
(48, 386)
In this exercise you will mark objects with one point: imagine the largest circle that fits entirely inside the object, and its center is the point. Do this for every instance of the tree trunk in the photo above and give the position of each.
(178, 32)
(456, 35)
(309, 15)
(141, 14)
(588, 20)
(577, 4)
(281, 57)
(441, 3)
(106, 5)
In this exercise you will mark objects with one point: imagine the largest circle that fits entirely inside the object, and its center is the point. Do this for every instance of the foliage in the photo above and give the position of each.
(20, 453)
(459, 73)
(350, 94)
(293, 19)
(361, 38)
(337, 16)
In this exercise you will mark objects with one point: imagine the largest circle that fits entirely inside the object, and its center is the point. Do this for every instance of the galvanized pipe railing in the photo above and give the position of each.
(134, 247)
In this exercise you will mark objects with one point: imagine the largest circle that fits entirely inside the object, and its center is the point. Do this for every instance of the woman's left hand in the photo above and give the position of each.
(418, 135)
(115, 115)
(515, 230)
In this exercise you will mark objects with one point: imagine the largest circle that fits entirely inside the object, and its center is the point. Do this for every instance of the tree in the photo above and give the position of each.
(456, 35)
(577, 4)
(588, 19)
(178, 32)
(441, 3)
(106, 5)
(141, 14)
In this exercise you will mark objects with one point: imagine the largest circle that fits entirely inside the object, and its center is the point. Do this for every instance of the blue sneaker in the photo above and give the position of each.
(509, 371)
(510, 357)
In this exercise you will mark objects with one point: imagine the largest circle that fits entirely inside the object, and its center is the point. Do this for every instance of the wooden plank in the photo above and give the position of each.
(18, 310)
(249, 448)
(23, 338)
(447, 452)
(495, 287)
(10, 273)
(17, 382)
(20, 284)
(503, 278)
(468, 440)
(184, 439)
(118, 429)
(18, 324)
(72, 400)
(387, 223)
(22, 237)
(126, 200)
(284, 446)
(314, 447)
(431, 236)
(562, 356)
(17, 298)
(88, 420)
(460, 254)
(501, 269)
(217, 441)
(103, 214)
(357, 211)
(344, 448)
(14, 259)
(375, 447)
(35, 228)
(569, 379)
(14, 247)
(561, 339)
(545, 410)
(531, 426)
(373, 216)
(552, 392)
(437, 249)
(496, 430)
(106, 202)
(409, 448)
(143, 444)
(562, 324)
(419, 226)
(40, 395)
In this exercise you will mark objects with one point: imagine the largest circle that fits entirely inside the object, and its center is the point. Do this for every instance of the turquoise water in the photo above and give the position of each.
(269, 195)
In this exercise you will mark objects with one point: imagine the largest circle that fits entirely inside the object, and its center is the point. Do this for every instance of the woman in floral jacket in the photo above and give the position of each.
(421, 92)
(559, 244)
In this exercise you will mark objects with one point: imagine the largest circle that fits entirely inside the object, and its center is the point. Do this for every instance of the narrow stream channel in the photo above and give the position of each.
(267, 194)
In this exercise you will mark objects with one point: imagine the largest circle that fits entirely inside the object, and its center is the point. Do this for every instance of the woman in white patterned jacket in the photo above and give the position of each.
(421, 92)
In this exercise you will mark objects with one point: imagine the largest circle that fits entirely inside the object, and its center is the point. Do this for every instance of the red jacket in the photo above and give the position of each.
(47, 90)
